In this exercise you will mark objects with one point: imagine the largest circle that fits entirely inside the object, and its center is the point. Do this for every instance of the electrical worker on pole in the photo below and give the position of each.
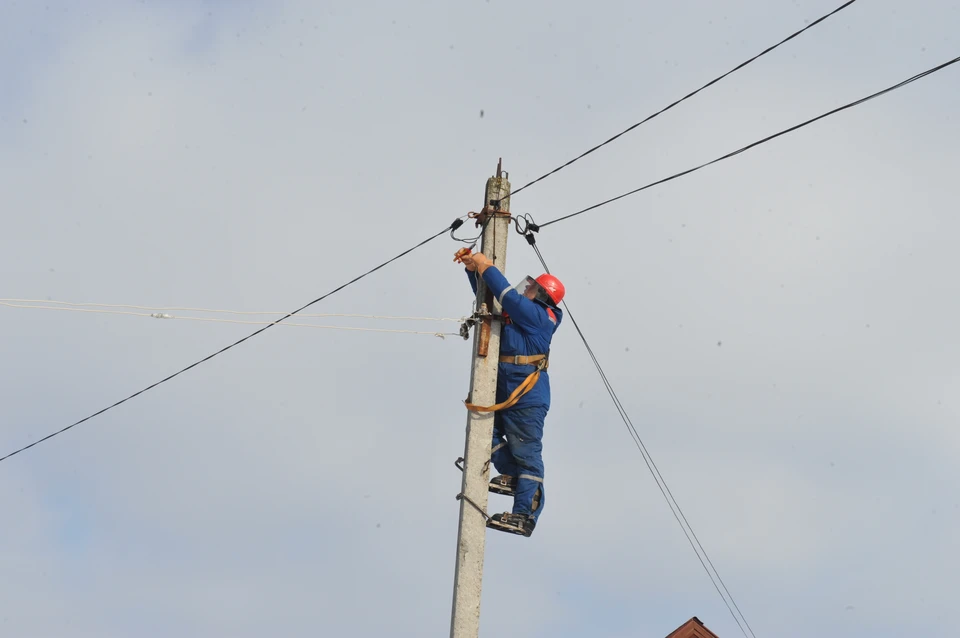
(530, 318)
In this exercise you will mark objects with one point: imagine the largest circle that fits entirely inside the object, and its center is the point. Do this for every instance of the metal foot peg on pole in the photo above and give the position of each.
(475, 506)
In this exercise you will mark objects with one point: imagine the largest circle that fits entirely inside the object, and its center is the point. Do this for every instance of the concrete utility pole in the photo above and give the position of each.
(468, 578)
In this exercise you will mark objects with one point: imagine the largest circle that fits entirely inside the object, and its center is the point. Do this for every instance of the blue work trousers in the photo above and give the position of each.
(517, 448)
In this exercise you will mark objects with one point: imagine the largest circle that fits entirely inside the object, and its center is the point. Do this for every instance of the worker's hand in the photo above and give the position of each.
(464, 257)
(480, 262)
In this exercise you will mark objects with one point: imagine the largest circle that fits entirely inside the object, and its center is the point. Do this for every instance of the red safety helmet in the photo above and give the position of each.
(553, 287)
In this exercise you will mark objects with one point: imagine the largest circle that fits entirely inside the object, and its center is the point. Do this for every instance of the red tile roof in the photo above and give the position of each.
(693, 628)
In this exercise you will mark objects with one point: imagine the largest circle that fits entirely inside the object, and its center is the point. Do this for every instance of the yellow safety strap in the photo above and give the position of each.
(515, 396)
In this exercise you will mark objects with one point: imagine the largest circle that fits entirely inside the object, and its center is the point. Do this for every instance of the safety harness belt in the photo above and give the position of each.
(540, 360)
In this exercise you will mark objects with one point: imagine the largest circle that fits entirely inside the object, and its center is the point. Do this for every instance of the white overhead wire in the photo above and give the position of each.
(72, 307)
(229, 312)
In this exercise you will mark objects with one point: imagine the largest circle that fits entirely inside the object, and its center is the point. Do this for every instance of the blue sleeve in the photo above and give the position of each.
(472, 276)
(525, 313)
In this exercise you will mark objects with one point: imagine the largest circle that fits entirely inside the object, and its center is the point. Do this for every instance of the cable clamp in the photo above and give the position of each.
(489, 211)
(525, 225)
(476, 318)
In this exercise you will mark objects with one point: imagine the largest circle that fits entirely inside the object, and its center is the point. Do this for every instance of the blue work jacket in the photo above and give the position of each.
(527, 330)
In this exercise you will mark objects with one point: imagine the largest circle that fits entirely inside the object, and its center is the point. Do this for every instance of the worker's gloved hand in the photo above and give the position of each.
(464, 257)
(480, 262)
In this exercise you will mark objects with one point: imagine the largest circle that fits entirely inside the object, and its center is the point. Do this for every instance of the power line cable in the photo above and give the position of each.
(456, 224)
(655, 472)
(687, 96)
(759, 142)
(648, 459)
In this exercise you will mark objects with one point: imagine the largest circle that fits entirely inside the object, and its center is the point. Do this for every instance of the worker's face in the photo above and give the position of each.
(528, 288)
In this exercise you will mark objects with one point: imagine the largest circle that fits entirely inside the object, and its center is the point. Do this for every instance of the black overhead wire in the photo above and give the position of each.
(648, 459)
(456, 224)
(655, 471)
(759, 142)
(687, 96)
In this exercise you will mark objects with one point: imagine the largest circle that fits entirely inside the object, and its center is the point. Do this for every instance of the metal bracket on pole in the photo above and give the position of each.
(475, 318)
(475, 506)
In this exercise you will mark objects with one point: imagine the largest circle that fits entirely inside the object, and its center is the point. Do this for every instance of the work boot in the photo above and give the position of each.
(521, 524)
(506, 485)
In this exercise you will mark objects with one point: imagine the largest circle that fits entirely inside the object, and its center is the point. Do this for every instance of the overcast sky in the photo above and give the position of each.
(781, 327)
